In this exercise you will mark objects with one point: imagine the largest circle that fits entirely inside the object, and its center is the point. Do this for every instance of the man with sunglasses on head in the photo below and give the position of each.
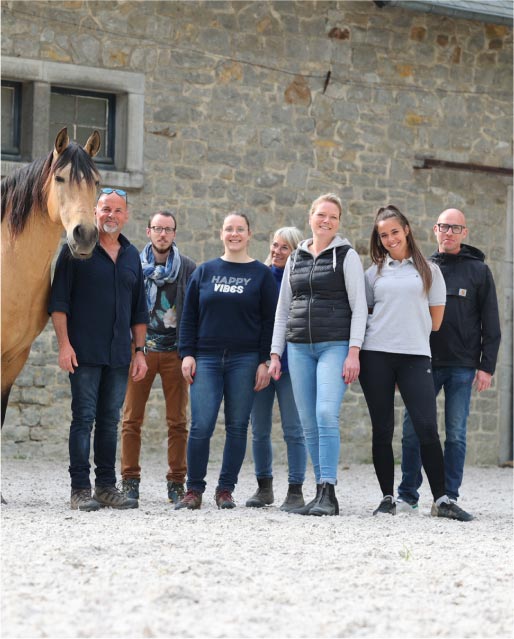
(464, 353)
(166, 272)
(98, 309)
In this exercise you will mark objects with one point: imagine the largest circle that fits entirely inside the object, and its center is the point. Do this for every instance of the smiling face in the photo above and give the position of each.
(394, 238)
(448, 241)
(324, 221)
(279, 251)
(111, 213)
(235, 235)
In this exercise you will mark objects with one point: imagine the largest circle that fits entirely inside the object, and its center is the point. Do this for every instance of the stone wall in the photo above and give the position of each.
(262, 106)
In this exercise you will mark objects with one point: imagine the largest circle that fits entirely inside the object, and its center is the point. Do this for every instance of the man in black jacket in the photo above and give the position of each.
(464, 353)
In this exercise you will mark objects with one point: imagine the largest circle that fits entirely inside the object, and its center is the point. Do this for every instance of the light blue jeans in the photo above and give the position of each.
(456, 382)
(262, 419)
(318, 387)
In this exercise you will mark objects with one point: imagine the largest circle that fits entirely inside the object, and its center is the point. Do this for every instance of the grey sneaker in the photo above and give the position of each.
(81, 500)
(112, 497)
(386, 507)
(175, 491)
(131, 487)
(404, 508)
(450, 511)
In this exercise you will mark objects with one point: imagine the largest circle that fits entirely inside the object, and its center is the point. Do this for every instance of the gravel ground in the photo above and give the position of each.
(156, 572)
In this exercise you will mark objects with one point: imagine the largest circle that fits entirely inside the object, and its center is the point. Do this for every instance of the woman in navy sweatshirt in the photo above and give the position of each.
(283, 243)
(225, 339)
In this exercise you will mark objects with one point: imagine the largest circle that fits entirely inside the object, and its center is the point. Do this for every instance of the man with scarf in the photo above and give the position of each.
(166, 274)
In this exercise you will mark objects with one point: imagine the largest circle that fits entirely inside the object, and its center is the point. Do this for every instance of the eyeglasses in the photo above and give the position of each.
(280, 248)
(108, 191)
(456, 228)
(160, 229)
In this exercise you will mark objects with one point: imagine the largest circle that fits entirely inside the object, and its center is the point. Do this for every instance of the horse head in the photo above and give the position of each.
(71, 191)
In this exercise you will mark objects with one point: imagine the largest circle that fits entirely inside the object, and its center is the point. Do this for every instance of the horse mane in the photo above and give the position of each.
(24, 192)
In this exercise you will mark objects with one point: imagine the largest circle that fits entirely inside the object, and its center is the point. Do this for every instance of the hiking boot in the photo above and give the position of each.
(263, 495)
(191, 500)
(386, 507)
(450, 510)
(81, 500)
(327, 503)
(294, 498)
(224, 499)
(112, 497)
(131, 487)
(175, 491)
(305, 510)
(404, 508)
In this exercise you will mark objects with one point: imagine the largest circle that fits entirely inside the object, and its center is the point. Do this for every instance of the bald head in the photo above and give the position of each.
(451, 236)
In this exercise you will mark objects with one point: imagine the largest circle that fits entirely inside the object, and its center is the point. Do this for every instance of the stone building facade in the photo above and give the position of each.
(261, 106)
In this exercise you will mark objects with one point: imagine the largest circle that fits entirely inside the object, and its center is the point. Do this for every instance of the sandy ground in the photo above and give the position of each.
(155, 572)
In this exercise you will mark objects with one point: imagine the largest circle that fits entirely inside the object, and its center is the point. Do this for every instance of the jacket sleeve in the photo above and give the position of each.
(490, 320)
(355, 287)
(278, 341)
(188, 332)
(269, 295)
(60, 295)
(139, 306)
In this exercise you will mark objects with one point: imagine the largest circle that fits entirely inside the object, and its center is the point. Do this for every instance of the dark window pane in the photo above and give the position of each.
(10, 122)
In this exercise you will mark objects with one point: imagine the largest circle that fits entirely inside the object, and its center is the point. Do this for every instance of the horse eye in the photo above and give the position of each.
(58, 178)
(97, 183)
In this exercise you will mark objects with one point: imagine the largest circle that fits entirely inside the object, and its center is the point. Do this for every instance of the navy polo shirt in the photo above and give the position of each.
(102, 300)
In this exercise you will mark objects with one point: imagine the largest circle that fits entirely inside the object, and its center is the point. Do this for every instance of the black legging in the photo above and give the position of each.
(380, 372)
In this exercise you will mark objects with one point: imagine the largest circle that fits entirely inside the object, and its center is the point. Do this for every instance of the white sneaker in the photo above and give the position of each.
(404, 508)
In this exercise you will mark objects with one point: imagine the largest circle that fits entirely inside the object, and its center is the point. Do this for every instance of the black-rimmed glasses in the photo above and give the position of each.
(456, 228)
(160, 229)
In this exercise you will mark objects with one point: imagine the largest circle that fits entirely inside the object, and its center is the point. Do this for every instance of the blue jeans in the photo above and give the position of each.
(262, 419)
(97, 394)
(318, 387)
(457, 383)
(231, 377)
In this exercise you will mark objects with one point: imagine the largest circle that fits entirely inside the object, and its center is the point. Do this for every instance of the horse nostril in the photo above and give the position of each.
(85, 234)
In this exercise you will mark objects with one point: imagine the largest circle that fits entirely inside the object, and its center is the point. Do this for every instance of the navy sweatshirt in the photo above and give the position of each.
(229, 306)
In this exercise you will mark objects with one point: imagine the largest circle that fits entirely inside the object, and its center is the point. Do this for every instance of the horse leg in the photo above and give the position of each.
(5, 400)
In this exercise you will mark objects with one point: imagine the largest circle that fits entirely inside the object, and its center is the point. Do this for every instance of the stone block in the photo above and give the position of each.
(268, 180)
(297, 176)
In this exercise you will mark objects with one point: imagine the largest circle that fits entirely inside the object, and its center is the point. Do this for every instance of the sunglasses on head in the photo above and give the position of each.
(108, 191)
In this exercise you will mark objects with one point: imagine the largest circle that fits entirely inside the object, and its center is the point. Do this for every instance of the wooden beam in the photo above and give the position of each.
(421, 162)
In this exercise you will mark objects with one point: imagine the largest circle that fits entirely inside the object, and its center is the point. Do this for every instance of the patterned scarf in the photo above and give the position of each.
(156, 276)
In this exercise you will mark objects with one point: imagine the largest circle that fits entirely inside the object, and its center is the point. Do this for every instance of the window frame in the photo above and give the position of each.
(38, 76)
(15, 151)
(109, 144)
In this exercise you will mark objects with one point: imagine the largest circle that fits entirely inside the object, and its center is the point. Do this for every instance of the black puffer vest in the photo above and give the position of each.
(320, 310)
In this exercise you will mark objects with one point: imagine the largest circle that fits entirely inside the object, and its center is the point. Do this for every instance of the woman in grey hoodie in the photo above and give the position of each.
(321, 314)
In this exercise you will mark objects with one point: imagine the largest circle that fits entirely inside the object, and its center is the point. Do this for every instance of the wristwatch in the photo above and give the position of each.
(141, 349)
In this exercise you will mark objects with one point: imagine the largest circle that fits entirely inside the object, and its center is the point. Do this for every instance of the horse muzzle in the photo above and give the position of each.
(82, 241)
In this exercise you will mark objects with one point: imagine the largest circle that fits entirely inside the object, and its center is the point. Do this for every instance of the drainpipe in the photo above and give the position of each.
(505, 376)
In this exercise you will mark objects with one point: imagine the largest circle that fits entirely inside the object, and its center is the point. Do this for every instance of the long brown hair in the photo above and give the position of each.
(378, 253)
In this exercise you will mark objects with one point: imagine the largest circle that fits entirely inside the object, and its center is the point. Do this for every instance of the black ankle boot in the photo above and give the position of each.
(327, 503)
(305, 510)
(263, 495)
(294, 498)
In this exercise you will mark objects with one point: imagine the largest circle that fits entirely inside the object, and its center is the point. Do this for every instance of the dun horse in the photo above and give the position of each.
(37, 202)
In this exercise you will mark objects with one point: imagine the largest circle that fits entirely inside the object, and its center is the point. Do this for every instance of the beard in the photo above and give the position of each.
(161, 250)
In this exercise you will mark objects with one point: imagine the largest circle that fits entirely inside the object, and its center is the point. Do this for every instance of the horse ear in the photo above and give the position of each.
(92, 146)
(61, 142)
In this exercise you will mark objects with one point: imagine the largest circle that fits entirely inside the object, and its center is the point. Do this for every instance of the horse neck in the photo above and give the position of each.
(37, 242)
